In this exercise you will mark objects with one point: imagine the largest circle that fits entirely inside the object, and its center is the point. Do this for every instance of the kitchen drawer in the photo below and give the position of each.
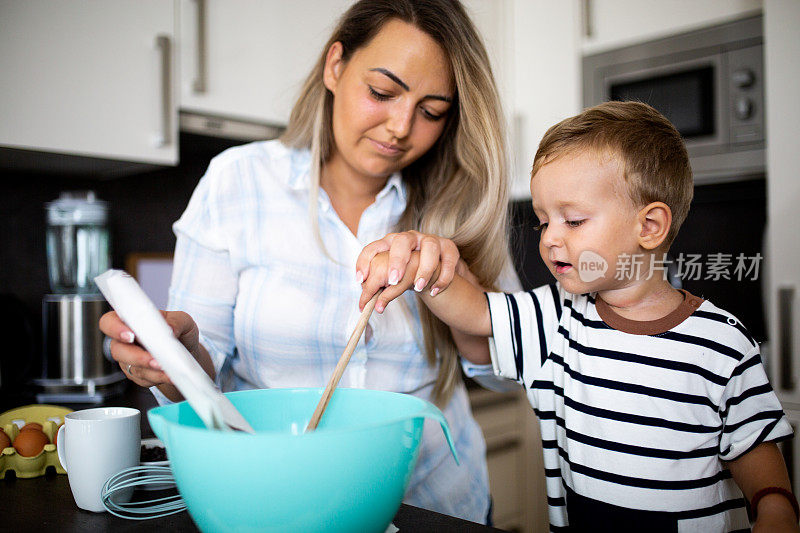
(506, 472)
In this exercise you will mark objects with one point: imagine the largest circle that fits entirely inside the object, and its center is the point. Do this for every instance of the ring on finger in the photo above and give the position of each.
(129, 370)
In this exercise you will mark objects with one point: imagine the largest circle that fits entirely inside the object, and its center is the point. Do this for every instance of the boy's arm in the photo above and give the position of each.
(763, 467)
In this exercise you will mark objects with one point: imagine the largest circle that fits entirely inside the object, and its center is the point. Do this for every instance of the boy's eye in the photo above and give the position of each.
(378, 95)
(540, 227)
(574, 223)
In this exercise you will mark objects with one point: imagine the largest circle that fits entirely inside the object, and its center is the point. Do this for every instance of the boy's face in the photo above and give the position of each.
(587, 220)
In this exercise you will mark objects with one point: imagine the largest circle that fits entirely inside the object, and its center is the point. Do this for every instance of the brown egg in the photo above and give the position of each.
(30, 442)
(5, 442)
(32, 425)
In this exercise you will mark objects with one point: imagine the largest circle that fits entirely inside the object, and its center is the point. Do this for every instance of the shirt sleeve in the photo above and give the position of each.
(751, 412)
(204, 282)
(484, 374)
(523, 324)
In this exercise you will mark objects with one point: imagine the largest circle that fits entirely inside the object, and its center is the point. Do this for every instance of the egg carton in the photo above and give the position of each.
(50, 417)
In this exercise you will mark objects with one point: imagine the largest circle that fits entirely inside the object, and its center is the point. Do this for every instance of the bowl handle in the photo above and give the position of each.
(431, 411)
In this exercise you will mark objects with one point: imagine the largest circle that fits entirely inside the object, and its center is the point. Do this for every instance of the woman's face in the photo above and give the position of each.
(391, 100)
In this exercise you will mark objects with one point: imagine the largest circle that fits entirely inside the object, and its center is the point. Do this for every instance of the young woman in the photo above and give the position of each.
(398, 127)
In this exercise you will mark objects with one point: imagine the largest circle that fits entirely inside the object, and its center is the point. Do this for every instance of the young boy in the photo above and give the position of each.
(655, 410)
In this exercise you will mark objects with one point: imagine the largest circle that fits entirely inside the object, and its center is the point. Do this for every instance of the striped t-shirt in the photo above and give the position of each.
(637, 417)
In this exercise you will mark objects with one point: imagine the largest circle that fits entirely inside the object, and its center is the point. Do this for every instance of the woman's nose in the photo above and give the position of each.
(400, 120)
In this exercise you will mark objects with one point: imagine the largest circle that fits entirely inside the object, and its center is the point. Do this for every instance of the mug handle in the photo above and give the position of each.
(61, 445)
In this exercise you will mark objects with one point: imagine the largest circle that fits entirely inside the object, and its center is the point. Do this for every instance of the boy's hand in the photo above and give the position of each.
(379, 277)
(434, 253)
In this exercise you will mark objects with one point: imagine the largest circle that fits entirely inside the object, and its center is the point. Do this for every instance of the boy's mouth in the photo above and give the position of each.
(562, 267)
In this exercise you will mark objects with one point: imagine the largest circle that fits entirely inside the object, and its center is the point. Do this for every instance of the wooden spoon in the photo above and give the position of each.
(342, 364)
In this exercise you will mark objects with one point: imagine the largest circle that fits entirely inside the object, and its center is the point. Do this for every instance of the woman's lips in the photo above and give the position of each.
(385, 148)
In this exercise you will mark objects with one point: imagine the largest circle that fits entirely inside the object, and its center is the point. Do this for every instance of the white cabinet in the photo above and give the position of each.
(612, 23)
(248, 58)
(782, 263)
(534, 46)
(92, 78)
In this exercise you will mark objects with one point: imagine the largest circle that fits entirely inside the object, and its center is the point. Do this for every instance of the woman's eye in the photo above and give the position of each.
(431, 116)
(378, 95)
(540, 227)
(574, 223)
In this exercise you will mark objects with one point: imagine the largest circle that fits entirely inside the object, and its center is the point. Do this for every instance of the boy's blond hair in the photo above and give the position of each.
(653, 157)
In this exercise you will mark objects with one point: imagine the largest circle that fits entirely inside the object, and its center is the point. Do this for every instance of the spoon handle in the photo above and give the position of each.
(343, 360)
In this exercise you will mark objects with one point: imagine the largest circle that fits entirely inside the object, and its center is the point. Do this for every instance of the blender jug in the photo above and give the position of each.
(77, 242)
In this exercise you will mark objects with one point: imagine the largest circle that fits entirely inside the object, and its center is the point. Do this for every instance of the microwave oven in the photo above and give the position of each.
(709, 83)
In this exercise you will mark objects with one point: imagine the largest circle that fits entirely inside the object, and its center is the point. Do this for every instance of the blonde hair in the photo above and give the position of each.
(655, 164)
(458, 189)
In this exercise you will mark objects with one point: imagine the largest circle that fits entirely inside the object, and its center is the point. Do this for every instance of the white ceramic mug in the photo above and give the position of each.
(93, 445)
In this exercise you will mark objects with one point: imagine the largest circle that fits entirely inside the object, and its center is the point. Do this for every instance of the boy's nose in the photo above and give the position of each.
(550, 237)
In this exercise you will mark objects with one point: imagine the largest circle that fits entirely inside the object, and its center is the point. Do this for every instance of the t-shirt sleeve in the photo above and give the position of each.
(523, 324)
(751, 412)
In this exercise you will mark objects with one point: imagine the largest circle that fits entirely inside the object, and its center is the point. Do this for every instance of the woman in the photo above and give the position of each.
(397, 127)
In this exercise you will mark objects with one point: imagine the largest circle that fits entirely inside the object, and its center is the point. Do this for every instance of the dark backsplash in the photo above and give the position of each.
(724, 218)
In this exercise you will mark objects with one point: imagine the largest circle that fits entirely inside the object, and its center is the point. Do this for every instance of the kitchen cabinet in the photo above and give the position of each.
(534, 47)
(514, 458)
(248, 58)
(609, 24)
(782, 261)
(92, 78)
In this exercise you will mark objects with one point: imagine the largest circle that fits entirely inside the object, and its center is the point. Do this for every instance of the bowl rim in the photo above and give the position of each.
(319, 432)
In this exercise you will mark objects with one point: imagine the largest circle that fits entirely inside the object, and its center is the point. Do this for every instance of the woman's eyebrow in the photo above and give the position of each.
(392, 76)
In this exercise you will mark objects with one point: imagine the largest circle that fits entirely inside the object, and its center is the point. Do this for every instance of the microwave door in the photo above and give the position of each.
(691, 94)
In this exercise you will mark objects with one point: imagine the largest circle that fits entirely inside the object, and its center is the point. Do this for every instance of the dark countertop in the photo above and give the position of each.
(45, 503)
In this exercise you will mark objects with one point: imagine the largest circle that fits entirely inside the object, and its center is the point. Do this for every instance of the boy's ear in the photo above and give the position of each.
(333, 66)
(655, 219)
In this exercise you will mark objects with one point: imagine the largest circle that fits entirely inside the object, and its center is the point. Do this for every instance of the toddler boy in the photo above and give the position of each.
(655, 409)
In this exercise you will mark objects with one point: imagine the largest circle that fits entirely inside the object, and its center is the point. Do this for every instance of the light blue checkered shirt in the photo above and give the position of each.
(274, 311)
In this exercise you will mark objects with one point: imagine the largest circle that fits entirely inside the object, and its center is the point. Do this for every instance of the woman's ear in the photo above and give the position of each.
(655, 219)
(333, 66)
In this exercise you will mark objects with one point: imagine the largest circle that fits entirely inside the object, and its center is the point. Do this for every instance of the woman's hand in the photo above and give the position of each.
(434, 253)
(379, 277)
(136, 362)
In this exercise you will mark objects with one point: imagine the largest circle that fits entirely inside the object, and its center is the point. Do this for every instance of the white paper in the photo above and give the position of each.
(152, 331)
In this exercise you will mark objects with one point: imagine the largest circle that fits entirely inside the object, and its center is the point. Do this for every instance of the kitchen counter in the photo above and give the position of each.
(45, 503)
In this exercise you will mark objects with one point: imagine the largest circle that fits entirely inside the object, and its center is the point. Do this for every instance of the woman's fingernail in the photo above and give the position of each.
(419, 285)
(154, 364)
(434, 291)
(127, 336)
(394, 277)
(359, 277)
(379, 307)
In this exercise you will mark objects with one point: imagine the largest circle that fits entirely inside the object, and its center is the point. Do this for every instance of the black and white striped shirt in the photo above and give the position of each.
(637, 417)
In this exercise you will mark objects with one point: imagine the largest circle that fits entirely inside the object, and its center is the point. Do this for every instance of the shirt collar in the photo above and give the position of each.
(300, 177)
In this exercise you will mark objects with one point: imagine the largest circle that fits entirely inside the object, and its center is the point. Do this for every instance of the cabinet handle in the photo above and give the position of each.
(586, 11)
(164, 45)
(199, 82)
(785, 299)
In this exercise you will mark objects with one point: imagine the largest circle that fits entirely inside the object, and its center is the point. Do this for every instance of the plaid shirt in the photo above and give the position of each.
(274, 311)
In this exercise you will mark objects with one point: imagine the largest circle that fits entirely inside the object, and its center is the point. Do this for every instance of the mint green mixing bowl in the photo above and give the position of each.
(348, 475)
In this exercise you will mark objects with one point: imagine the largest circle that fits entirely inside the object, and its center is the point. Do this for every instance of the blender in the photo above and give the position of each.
(75, 366)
